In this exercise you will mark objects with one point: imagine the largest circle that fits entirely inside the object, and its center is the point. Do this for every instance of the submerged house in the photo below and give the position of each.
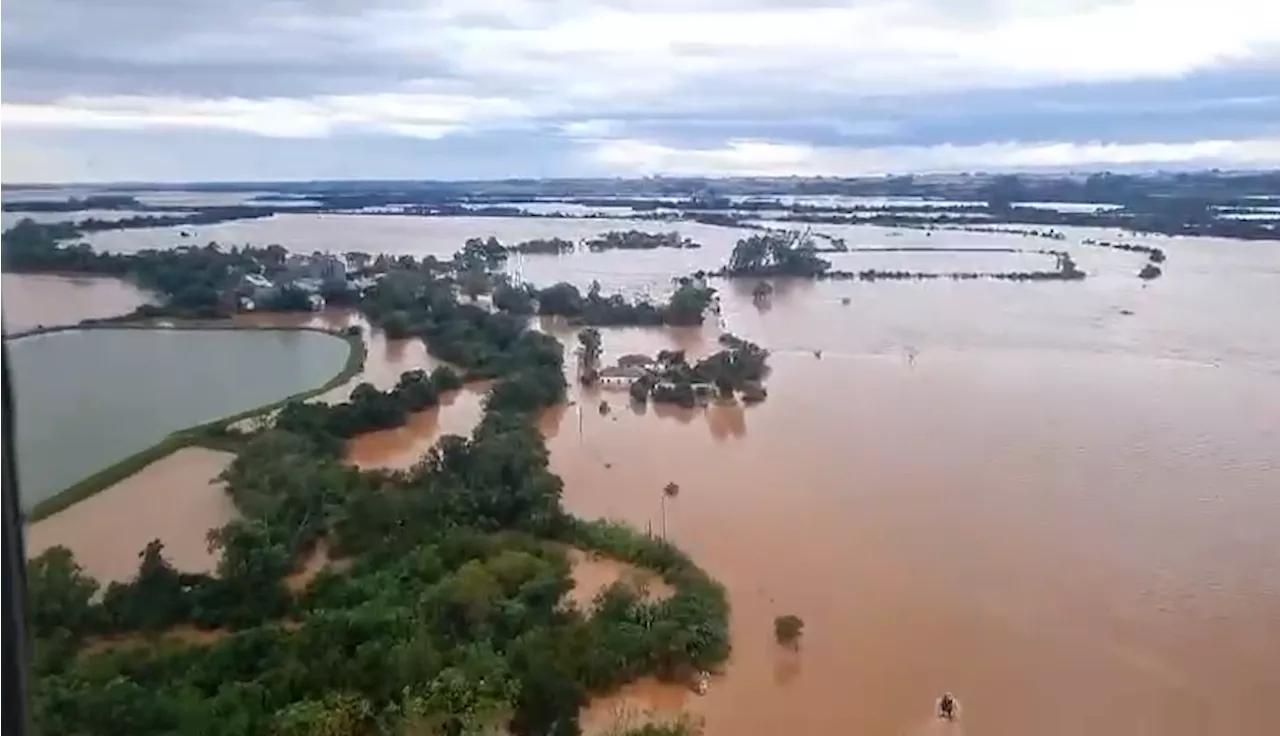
(636, 360)
(617, 376)
(256, 289)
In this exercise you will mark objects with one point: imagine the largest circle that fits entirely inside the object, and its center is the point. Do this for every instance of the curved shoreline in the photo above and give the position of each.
(194, 435)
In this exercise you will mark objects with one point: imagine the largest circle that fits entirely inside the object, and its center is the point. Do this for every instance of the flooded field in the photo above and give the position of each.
(32, 300)
(176, 500)
(1026, 494)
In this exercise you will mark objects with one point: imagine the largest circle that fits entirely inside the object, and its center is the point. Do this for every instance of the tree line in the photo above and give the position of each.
(194, 281)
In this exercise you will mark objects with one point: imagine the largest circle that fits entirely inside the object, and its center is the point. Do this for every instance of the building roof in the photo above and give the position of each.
(634, 359)
(615, 371)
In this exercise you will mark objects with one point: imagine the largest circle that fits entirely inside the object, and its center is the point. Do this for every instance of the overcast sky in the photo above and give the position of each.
(186, 90)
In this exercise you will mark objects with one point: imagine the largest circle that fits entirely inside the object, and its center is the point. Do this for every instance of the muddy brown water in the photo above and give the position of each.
(37, 300)
(175, 499)
(1058, 501)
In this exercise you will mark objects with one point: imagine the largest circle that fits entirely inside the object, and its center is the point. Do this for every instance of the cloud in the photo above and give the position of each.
(681, 74)
(760, 158)
(414, 115)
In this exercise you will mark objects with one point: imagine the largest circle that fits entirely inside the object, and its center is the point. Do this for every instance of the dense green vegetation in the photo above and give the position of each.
(73, 204)
(638, 240)
(447, 615)
(687, 305)
(195, 280)
(553, 246)
(776, 253)
(740, 367)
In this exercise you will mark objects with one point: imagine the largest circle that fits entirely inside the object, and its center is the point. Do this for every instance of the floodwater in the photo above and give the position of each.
(1056, 500)
(593, 573)
(87, 398)
(175, 500)
(35, 300)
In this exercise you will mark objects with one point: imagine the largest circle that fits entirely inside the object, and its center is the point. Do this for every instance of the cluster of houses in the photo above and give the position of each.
(629, 369)
(312, 275)
(633, 367)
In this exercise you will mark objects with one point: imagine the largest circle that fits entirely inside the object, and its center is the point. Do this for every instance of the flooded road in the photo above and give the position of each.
(1026, 494)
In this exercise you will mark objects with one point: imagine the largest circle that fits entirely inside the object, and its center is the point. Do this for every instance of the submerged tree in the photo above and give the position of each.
(788, 629)
(589, 342)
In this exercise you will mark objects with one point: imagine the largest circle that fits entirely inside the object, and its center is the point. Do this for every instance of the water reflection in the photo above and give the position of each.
(727, 420)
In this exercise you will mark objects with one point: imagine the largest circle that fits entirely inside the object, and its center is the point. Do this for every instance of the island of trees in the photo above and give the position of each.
(638, 240)
(780, 253)
(446, 613)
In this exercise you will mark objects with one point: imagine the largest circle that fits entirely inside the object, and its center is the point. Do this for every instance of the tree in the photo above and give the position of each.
(776, 253)
(787, 630)
(60, 594)
(560, 299)
(337, 714)
(396, 325)
(445, 379)
(474, 282)
(512, 299)
(589, 340)
(688, 304)
(416, 390)
(358, 259)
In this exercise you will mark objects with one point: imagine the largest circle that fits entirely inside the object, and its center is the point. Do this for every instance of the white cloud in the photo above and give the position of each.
(574, 57)
(599, 71)
(409, 114)
(760, 158)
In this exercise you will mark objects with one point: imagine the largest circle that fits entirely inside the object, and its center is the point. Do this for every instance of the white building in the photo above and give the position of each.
(619, 377)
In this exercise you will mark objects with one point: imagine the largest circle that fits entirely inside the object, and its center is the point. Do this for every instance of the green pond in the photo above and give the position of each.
(85, 399)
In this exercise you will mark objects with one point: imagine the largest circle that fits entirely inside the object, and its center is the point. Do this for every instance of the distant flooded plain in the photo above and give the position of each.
(1056, 500)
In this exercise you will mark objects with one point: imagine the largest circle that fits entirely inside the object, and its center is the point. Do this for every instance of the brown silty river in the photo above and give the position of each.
(1058, 501)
